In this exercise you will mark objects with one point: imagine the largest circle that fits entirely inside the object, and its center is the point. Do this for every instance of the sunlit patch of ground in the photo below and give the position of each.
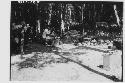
(46, 65)
(61, 72)
(93, 57)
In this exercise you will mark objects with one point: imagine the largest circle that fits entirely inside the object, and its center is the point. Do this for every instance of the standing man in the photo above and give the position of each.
(24, 37)
(15, 37)
(46, 35)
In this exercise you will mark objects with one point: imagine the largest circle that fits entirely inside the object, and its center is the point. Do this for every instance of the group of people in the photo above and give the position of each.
(18, 34)
(50, 38)
(23, 34)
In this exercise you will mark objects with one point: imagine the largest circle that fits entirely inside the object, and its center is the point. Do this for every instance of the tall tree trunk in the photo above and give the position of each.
(50, 14)
(38, 25)
(83, 6)
(116, 14)
(62, 22)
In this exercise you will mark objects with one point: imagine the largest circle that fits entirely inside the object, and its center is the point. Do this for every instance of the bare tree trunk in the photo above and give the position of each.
(62, 21)
(38, 25)
(82, 16)
(116, 14)
(50, 13)
(22, 44)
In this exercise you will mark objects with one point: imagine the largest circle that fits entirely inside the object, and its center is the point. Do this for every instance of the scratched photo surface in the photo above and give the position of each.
(66, 41)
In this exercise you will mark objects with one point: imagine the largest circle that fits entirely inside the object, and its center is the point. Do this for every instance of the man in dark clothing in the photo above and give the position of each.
(15, 38)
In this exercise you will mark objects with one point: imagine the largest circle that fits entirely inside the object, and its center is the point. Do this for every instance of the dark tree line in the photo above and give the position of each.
(76, 15)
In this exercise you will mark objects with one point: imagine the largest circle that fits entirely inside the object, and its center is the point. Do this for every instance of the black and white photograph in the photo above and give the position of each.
(66, 41)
